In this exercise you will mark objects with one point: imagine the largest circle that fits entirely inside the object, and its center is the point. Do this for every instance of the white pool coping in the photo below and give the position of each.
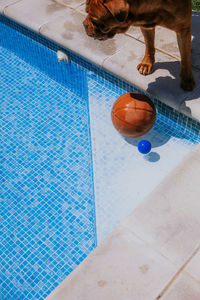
(154, 253)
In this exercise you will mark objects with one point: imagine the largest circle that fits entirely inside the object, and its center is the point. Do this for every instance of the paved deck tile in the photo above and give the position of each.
(193, 267)
(68, 31)
(5, 3)
(168, 219)
(34, 13)
(183, 288)
(70, 3)
(121, 268)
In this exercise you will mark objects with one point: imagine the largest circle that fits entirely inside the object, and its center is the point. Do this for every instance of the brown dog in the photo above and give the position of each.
(107, 17)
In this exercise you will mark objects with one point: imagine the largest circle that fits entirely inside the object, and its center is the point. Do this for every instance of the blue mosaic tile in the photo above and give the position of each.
(47, 201)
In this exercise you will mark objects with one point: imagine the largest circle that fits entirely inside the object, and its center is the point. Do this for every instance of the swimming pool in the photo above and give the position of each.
(67, 177)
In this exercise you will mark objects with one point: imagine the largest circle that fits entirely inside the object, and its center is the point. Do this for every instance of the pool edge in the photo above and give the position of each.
(156, 233)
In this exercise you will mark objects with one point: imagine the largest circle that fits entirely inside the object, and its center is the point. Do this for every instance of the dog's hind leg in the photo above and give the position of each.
(184, 43)
(146, 65)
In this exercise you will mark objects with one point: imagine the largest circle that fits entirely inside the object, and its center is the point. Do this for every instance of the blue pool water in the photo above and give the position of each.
(47, 201)
(67, 178)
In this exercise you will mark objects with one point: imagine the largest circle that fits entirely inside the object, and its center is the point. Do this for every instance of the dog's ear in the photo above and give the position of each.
(118, 8)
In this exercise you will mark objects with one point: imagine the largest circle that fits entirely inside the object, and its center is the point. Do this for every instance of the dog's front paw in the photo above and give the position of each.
(146, 66)
(187, 83)
(145, 69)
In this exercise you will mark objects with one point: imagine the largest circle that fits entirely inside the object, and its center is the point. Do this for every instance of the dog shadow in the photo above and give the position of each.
(172, 84)
(195, 51)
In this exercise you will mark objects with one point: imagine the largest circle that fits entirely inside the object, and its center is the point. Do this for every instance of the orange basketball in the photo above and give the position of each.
(133, 114)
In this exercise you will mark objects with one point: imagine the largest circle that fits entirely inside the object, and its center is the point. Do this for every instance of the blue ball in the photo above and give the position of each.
(144, 146)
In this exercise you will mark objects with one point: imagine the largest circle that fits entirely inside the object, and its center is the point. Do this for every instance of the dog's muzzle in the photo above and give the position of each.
(95, 32)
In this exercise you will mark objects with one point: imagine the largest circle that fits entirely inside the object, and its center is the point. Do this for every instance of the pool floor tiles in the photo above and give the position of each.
(123, 177)
(48, 223)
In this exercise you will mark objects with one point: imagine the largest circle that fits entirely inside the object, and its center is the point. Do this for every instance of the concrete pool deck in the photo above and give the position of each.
(154, 253)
